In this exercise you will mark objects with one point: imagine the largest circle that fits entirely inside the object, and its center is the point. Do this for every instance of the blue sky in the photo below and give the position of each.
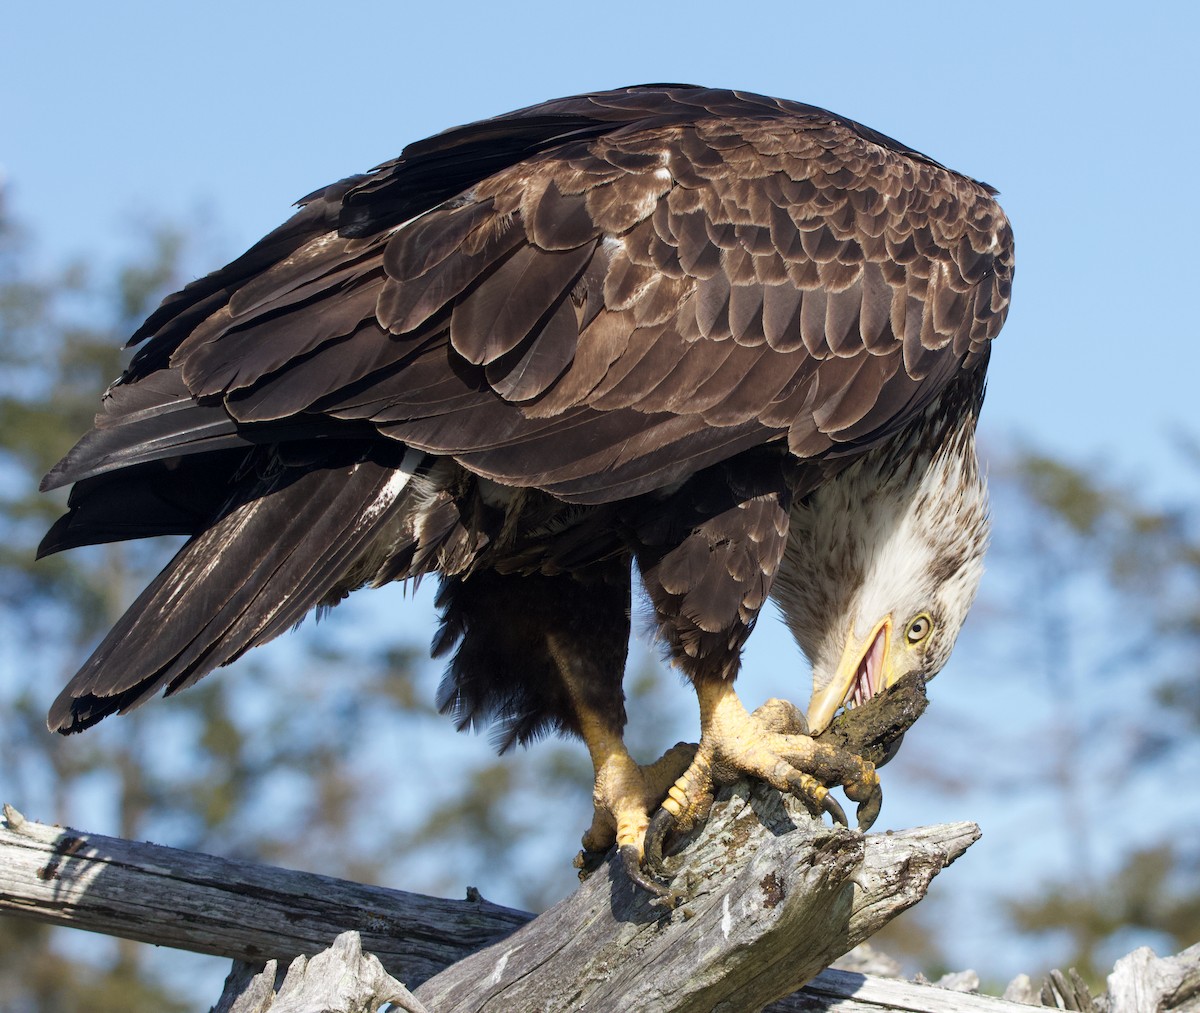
(117, 114)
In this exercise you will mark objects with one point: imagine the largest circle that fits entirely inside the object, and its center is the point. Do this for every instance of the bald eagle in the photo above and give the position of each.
(736, 341)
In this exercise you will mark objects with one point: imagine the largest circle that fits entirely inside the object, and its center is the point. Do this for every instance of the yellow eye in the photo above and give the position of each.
(919, 627)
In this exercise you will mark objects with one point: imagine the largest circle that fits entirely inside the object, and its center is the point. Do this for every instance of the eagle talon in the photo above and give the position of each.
(624, 795)
(867, 792)
(631, 859)
(661, 824)
(838, 814)
(868, 810)
(807, 787)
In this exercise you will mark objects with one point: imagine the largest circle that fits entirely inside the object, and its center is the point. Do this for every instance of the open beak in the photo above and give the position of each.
(866, 668)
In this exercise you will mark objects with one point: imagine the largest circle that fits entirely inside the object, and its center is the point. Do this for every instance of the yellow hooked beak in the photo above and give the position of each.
(867, 667)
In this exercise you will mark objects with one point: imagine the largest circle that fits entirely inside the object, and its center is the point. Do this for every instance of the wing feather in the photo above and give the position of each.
(568, 295)
(505, 308)
(653, 291)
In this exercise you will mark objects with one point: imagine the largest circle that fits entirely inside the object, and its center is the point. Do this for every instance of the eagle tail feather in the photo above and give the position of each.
(281, 546)
(158, 419)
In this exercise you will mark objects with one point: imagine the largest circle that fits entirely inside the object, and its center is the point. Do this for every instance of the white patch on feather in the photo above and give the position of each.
(398, 531)
(394, 486)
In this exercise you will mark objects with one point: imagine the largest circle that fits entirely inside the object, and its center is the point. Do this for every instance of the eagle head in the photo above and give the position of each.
(882, 565)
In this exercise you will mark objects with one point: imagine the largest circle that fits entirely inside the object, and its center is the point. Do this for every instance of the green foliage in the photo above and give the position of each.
(1153, 890)
(1063, 491)
(51, 367)
(1104, 524)
(34, 976)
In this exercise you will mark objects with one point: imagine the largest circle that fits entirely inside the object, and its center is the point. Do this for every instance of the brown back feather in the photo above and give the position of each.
(726, 259)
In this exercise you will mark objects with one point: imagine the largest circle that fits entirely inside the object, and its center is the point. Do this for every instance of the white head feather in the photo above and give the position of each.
(900, 532)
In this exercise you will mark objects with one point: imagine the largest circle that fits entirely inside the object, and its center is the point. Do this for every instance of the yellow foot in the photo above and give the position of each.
(625, 794)
(771, 744)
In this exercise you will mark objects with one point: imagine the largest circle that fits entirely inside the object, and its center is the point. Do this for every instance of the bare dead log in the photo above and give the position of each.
(232, 909)
(246, 911)
(847, 992)
(774, 896)
(758, 859)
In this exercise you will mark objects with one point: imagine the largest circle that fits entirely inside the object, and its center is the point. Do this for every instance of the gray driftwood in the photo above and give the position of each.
(341, 979)
(1144, 983)
(232, 909)
(774, 897)
(1139, 983)
(244, 911)
(775, 883)
(846, 992)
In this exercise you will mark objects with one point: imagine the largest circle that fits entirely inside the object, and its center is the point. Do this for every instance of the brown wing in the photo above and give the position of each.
(595, 297)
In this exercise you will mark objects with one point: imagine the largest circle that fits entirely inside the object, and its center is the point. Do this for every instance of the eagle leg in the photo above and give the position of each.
(552, 655)
(707, 589)
(770, 744)
(624, 795)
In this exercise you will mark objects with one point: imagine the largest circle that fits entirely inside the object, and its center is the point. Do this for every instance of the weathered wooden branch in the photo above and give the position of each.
(767, 878)
(244, 911)
(1144, 983)
(341, 979)
(834, 991)
(771, 895)
(232, 909)
(845, 992)
(774, 897)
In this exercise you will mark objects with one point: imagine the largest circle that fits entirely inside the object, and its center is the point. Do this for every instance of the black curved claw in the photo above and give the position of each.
(868, 810)
(831, 806)
(630, 859)
(661, 824)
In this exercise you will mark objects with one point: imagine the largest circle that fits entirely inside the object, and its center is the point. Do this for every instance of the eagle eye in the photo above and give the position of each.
(919, 627)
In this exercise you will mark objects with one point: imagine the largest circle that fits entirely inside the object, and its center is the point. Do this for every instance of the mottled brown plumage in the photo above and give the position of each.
(639, 325)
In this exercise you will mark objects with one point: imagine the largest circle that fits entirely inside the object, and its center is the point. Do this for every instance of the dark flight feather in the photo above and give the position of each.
(270, 555)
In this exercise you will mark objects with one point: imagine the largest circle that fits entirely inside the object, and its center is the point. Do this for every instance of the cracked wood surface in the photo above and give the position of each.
(341, 979)
(239, 910)
(773, 896)
(761, 874)
(781, 876)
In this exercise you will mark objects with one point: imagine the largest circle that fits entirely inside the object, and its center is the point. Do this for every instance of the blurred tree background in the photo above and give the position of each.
(1079, 715)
